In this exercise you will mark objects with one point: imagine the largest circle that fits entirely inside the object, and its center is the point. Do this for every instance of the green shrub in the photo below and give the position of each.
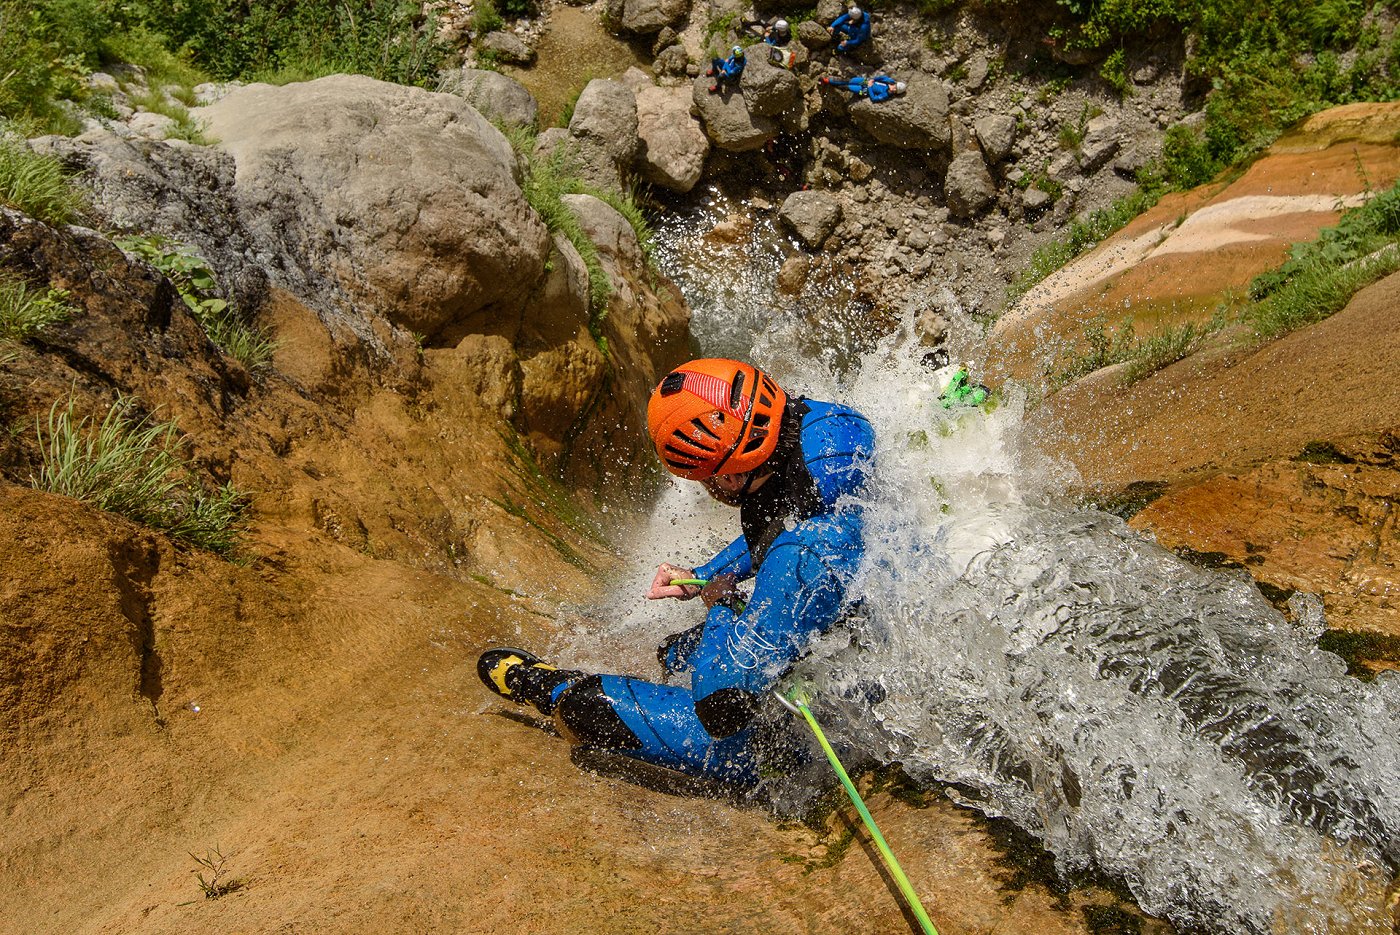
(1186, 159)
(130, 465)
(198, 287)
(24, 312)
(47, 47)
(1114, 72)
(393, 40)
(486, 18)
(36, 184)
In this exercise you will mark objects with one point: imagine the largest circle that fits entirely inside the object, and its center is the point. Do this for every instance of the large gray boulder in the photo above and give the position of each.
(674, 146)
(997, 134)
(497, 96)
(1102, 140)
(606, 115)
(649, 16)
(917, 120)
(968, 187)
(585, 158)
(508, 47)
(813, 35)
(671, 62)
(408, 199)
(610, 232)
(811, 216)
(768, 89)
(729, 123)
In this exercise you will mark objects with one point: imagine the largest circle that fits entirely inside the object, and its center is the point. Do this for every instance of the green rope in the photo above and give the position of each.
(798, 705)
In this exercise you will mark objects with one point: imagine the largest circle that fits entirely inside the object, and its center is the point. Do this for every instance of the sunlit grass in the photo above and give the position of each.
(131, 465)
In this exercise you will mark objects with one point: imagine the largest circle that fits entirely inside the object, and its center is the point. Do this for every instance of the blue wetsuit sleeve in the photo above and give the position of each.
(799, 592)
(842, 23)
(733, 559)
(839, 444)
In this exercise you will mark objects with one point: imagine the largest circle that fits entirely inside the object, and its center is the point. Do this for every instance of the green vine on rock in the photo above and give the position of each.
(193, 278)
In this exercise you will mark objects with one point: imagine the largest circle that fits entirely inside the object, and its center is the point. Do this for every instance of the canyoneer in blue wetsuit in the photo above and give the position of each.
(726, 71)
(793, 466)
(878, 88)
(854, 24)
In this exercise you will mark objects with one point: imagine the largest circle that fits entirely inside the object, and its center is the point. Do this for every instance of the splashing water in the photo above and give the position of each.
(1158, 721)
(1044, 662)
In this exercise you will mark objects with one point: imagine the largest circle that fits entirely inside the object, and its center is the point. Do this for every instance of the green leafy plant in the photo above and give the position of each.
(24, 311)
(1114, 72)
(131, 465)
(194, 280)
(36, 184)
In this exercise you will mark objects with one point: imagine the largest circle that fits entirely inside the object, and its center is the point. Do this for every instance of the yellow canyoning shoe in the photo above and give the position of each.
(495, 667)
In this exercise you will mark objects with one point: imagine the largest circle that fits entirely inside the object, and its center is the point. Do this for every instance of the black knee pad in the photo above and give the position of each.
(584, 714)
(726, 711)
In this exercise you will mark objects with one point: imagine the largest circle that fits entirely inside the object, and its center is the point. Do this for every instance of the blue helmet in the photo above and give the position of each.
(738, 51)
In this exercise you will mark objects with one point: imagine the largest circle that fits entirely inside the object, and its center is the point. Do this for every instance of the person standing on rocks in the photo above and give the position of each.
(854, 24)
(793, 467)
(726, 71)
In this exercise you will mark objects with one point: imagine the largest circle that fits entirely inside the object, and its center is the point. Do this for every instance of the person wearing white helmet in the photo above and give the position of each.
(778, 33)
(878, 88)
(854, 24)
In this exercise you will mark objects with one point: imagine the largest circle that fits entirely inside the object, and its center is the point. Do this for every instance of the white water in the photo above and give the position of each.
(1158, 722)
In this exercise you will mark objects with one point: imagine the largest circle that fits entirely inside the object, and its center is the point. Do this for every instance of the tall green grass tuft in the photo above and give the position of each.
(548, 179)
(1143, 356)
(36, 184)
(131, 465)
(24, 311)
(1320, 277)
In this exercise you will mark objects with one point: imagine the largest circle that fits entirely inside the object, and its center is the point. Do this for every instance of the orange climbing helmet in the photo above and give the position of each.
(715, 416)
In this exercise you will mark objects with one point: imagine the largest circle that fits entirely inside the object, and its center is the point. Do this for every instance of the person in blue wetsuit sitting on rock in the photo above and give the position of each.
(726, 71)
(854, 24)
(794, 468)
(878, 88)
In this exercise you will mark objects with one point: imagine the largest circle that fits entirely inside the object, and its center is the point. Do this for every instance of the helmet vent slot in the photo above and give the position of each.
(736, 391)
(703, 428)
